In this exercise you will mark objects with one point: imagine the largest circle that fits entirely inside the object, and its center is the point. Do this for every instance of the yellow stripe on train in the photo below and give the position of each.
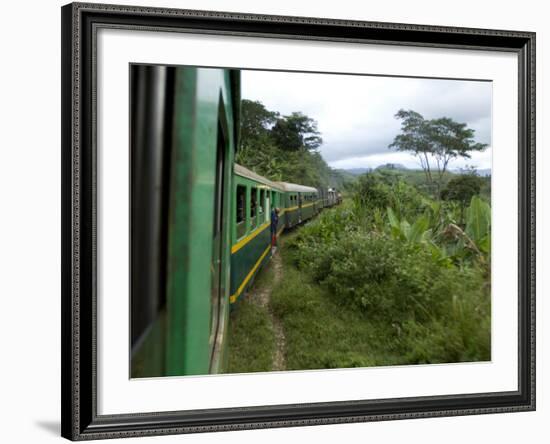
(234, 297)
(248, 238)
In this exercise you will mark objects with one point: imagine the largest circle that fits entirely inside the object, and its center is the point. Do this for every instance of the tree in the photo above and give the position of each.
(414, 138)
(461, 189)
(256, 122)
(296, 132)
(451, 140)
(283, 148)
(435, 142)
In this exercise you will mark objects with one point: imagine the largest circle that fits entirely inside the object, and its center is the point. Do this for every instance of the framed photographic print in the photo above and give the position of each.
(278, 221)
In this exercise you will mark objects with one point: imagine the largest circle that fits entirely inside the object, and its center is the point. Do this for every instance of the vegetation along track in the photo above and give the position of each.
(258, 341)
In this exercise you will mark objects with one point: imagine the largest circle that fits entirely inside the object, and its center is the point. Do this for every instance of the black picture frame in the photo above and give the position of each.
(79, 385)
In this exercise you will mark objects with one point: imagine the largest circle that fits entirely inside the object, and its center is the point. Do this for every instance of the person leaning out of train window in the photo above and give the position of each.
(274, 223)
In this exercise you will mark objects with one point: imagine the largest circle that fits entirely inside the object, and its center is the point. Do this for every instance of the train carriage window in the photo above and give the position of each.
(274, 203)
(261, 206)
(241, 211)
(268, 205)
(253, 206)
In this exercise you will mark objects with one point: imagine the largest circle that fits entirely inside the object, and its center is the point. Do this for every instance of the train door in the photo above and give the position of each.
(217, 241)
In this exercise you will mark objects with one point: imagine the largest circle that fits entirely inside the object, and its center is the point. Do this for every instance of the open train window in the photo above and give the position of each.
(241, 211)
(253, 206)
(261, 205)
(268, 205)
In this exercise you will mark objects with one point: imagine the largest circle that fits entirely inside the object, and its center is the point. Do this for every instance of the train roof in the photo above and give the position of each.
(298, 188)
(281, 186)
(245, 172)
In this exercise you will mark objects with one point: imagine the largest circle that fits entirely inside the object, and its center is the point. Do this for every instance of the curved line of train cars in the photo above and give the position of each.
(254, 197)
(200, 224)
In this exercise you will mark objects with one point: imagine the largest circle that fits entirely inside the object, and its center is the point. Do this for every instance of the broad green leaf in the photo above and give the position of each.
(418, 228)
(478, 219)
(394, 222)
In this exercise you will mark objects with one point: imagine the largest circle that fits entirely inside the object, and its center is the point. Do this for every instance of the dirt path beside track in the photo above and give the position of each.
(263, 299)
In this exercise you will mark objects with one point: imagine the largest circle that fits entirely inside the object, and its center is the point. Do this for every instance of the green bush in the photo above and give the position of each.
(326, 229)
(384, 276)
(418, 279)
(378, 191)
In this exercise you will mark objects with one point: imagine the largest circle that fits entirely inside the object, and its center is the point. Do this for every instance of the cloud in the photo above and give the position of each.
(355, 113)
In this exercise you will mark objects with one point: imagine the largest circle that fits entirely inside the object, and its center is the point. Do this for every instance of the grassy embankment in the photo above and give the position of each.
(251, 336)
(319, 333)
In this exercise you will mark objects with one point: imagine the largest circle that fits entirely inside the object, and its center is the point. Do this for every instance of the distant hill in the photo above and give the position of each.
(386, 166)
(483, 172)
(356, 171)
(392, 166)
(346, 174)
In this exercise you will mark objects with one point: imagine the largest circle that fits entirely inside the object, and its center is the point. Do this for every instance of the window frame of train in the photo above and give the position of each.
(80, 391)
(241, 219)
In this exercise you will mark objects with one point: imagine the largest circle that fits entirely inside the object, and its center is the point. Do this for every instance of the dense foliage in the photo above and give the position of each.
(409, 264)
(284, 148)
(461, 189)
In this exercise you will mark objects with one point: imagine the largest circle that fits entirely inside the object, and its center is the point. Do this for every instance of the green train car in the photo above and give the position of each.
(184, 130)
(200, 224)
(254, 197)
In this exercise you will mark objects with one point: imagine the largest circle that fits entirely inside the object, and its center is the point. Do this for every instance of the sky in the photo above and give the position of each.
(355, 113)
